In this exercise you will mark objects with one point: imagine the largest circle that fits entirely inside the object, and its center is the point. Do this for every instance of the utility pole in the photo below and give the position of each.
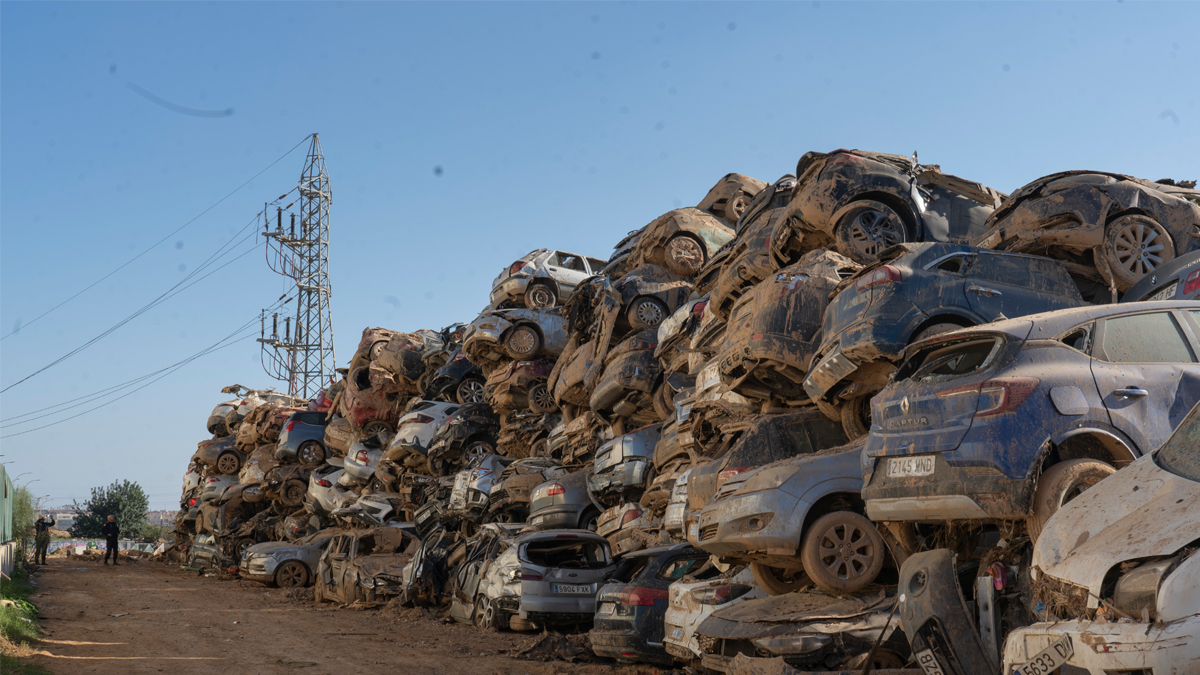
(303, 355)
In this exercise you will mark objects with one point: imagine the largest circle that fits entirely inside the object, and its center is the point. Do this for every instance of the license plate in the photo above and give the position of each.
(1049, 659)
(572, 588)
(677, 634)
(709, 377)
(607, 608)
(929, 663)
(1167, 293)
(910, 466)
(694, 531)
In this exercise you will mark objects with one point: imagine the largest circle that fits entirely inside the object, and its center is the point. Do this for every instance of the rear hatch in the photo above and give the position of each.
(853, 296)
(934, 395)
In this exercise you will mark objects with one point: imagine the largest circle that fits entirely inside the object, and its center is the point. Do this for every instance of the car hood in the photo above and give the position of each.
(797, 613)
(1138, 512)
(374, 565)
(275, 549)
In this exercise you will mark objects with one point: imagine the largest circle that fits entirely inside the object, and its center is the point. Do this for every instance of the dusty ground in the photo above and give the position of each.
(176, 622)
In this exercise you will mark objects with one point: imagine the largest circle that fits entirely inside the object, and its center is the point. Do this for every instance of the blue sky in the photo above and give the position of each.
(562, 125)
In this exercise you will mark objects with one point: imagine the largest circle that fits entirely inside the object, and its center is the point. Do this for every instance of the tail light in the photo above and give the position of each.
(555, 489)
(191, 502)
(719, 595)
(529, 576)
(459, 357)
(642, 597)
(630, 516)
(516, 267)
(324, 483)
(361, 456)
(214, 479)
(290, 425)
(567, 536)
(730, 472)
(698, 308)
(1004, 394)
(1192, 282)
(884, 274)
(423, 419)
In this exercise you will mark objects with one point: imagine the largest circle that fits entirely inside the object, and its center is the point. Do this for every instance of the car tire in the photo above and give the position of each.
(292, 492)
(664, 403)
(735, 206)
(842, 552)
(228, 463)
(856, 417)
(480, 617)
(470, 390)
(540, 399)
(933, 331)
(540, 296)
(1060, 484)
(376, 426)
(589, 519)
(685, 255)
(478, 449)
(523, 343)
(311, 453)
(241, 545)
(1135, 245)
(291, 574)
(866, 229)
(423, 382)
(776, 581)
(645, 313)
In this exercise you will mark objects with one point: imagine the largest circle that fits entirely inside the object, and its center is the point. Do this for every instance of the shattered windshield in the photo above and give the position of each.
(1181, 453)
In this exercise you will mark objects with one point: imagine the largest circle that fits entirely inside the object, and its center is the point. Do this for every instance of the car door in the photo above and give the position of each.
(568, 270)
(339, 562)
(325, 565)
(998, 284)
(1146, 370)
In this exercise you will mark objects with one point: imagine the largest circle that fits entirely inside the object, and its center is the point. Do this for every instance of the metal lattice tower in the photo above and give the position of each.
(303, 355)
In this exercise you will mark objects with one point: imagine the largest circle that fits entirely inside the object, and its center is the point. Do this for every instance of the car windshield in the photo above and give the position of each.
(1181, 453)
(567, 553)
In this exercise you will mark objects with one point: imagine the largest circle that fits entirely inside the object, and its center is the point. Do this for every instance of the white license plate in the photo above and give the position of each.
(572, 588)
(607, 608)
(1167, 293)
(1049, 659)
(694, 530)
(910, 466)
(677, 634)
(708, 377)
(929, 663)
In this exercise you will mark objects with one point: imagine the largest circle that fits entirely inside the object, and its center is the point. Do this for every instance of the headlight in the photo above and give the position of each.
(719, 595)
(792, 644)
(367, 582)
(1137, 589)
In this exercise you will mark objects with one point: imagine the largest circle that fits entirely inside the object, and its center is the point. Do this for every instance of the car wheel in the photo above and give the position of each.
(842, 552)
(478, 449)
(291, 574)
(540, 399)
(376, 426)
(540, 296)
(664, 403)
(376, 485)
(736, 206)
(776, 581)
(423, 382)
(523, 343)
(470, 390)
(685, 255)
(646, 313)
(934, 331)
(867, 228)
(228, 463)
(482, 617)
(293, 492)
(589, 520)
(1060, 484)
(856, 417)
(240, 546)
(1134, 246)
(310, 453)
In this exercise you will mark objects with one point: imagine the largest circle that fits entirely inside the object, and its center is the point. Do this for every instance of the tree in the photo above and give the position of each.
(24, 511)
(152, 534)
(123, 499)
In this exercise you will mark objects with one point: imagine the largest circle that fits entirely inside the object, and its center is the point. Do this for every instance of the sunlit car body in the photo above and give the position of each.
(302, 439)
(364, 564)
(1178, 279)
(287, 564)
(542, 278)
(691, 602)
(520, 334)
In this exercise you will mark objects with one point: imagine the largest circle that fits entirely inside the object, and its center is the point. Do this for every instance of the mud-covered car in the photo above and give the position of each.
(622, 466)
(469, 432)
(519, 334)
(861, 203)
(329, 489)
(364, 456)
(458, 381)
(220, 453)
(628, 527)
(627, 385)
(694, 599)
(914, 292)
(511, 497)
(774, 330)
(418, 426)
(648, 295)
(215, 486)
(1006, 422)
(542, 278)
(1132, 542)
(521, 385)
(302, 439)
(809, 631)
(218, 422)
(205, 553)
(364, 564)
(286, 564)
(1126, 227)
(1178, 279)
(628, 626)
(561, 572)
(797, 520)
(563, 504)
(486, 587)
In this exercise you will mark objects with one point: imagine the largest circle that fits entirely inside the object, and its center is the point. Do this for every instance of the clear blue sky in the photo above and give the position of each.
(556, 124)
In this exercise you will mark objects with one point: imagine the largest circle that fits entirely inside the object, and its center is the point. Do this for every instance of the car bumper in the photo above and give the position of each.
(510, 288)
(257, 569)
(951, 492)
(757, 525)
(861, 343)
(626, 644)
(779, 354)
(1101, 648)
(555, 518)
(628, 474)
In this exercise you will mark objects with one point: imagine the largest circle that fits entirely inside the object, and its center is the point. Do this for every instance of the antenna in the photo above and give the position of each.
(303, 357)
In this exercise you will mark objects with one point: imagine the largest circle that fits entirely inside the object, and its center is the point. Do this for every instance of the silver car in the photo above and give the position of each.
(364, 456)
(287, 564)
(417, 427)
(542, 278)
(561, 572)
(623, 464)
(520, 334)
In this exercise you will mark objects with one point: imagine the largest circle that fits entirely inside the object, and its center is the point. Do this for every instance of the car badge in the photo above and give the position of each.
(904, 406)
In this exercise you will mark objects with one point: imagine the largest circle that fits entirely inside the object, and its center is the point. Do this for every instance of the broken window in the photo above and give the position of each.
(629, 569)
(596, 265)
(681, 567)
(1080, 339)
(1181, 453)
(953, 360)
(1145, 338)
(571, 262)
(954, 264)
(566, 553)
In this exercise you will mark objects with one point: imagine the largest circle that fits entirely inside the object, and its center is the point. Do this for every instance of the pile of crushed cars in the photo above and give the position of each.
(871, 415)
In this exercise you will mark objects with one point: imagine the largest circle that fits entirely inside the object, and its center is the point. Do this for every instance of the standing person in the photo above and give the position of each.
(111, 532)
(42, 539)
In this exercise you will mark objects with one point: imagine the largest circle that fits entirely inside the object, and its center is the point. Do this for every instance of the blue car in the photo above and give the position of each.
(1008, 421)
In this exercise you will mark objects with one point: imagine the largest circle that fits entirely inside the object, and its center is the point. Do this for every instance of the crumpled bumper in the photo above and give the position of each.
(1112, 647)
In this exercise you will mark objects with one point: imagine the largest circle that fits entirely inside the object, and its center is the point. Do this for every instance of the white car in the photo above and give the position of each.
(1131, 540)
(542, 278)
(417, 427)
(691, 602)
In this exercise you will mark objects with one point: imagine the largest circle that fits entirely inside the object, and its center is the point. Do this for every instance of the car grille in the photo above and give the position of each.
(709, 531)
(708, 644)
(678, 651)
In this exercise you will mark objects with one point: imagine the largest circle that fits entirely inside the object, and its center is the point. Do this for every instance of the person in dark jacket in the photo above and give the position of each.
(111, 532)
(42, 538)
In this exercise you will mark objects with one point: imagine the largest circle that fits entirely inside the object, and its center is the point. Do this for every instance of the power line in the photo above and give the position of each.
(157, 243)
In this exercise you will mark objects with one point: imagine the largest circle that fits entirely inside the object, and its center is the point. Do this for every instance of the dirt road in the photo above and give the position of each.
(156, 618)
